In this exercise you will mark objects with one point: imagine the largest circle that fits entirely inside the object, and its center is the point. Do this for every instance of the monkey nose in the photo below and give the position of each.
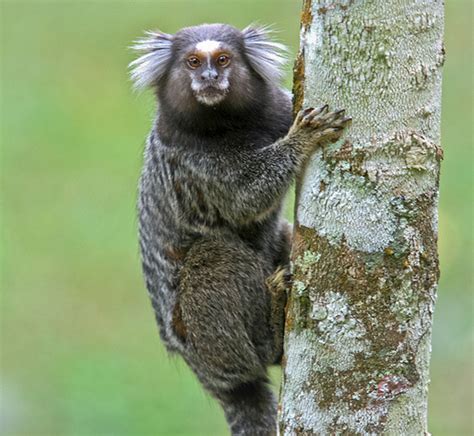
(210, 74)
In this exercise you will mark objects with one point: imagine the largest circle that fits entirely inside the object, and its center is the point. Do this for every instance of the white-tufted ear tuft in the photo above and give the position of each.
(151, 66)
(267, 57)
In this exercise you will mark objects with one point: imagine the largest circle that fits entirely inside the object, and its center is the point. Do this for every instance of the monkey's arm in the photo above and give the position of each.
(250, 184)
(246, 185)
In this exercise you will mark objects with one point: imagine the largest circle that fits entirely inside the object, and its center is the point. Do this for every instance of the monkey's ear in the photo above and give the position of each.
(151, 66)
(266, 57)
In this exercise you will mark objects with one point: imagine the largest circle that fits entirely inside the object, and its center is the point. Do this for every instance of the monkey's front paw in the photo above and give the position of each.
(320, 125)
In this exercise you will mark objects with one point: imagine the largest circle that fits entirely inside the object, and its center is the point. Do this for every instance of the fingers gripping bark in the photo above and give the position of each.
(313, 127)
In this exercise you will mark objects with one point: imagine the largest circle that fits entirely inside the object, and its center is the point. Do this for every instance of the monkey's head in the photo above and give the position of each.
(208, 65)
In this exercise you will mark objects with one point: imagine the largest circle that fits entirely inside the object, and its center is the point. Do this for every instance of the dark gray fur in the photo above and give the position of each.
(214, 249)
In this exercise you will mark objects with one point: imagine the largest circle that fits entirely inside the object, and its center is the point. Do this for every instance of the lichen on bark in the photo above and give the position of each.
(365, 263)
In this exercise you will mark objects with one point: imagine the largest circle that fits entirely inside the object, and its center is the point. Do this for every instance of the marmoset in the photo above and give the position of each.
(218, 161)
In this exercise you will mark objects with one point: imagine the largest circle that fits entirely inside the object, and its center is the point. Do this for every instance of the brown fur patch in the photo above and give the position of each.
(178, 324)
(200, 200)
(202, 55)
(177, 187)
(173, 162)
(175, 253)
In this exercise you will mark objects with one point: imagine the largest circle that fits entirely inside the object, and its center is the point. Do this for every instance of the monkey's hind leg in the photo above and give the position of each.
(225, 308)
(278, 285)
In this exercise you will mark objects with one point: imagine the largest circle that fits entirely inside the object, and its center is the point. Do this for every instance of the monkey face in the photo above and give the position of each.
(209, 66)
(209, 69)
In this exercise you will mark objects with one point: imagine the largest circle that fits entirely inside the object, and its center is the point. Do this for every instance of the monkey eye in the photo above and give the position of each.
(193, 62)
(223, 60)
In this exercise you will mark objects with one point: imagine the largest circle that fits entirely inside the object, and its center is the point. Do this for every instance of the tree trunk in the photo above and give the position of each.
(358, 329)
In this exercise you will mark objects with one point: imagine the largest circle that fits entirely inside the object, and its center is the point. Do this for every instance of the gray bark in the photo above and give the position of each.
(358, 330)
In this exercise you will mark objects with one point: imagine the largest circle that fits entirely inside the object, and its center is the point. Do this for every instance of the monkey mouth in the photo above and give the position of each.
(210, 95)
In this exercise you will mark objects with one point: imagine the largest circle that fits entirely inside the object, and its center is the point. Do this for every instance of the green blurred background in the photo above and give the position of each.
(79, 348)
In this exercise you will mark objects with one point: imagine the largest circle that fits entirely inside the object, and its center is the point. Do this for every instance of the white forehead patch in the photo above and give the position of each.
(208, 46)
